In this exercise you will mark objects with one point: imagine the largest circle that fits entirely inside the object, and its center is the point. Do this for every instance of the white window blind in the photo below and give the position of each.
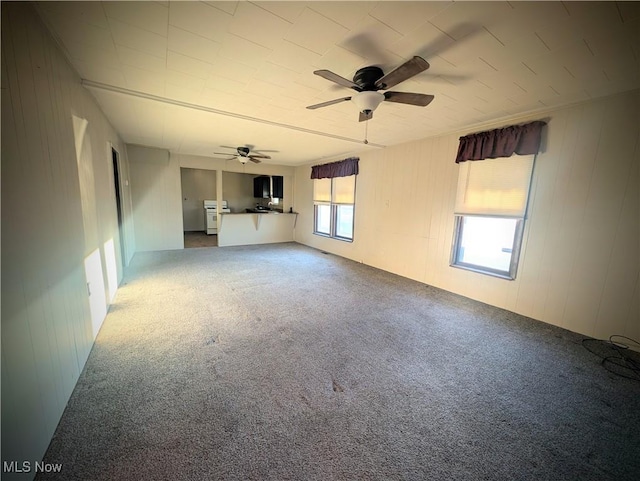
(322, 190)
(344, 189)
(497, 187)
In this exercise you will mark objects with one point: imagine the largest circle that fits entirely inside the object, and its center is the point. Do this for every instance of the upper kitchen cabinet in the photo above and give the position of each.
(265, 187)
(277, 186)
(262, 187)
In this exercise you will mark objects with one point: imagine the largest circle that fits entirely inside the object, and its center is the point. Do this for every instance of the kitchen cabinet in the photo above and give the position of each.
(261, 187)
(265, 187)
(277, 182)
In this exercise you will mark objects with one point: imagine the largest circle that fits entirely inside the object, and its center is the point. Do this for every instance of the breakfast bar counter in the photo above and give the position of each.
(255, 228)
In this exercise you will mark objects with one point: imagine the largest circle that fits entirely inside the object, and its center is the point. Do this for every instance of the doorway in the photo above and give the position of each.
(197, 186)
(199, 239)
(116, 181)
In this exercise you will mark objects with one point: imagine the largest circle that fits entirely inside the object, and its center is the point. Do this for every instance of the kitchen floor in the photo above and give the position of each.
(199, 239)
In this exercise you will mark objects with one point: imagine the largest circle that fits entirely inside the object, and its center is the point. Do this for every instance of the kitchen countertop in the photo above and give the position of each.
(254, 211)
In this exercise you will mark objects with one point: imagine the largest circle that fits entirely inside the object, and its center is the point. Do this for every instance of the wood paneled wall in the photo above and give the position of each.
(579, 265)
(46, 324)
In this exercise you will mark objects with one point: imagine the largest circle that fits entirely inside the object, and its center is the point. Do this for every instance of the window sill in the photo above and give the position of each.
(343, 239)
(479, 270)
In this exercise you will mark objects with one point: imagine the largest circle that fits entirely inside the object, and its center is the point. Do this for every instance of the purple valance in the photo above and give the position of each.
(519, 139)
(342, 168)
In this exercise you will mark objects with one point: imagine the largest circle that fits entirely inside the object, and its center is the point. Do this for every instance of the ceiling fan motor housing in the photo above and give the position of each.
(366, 78)
(243, 151)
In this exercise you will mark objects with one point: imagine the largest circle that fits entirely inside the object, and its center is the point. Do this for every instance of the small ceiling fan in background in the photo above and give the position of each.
(244, 154)
(369, 80)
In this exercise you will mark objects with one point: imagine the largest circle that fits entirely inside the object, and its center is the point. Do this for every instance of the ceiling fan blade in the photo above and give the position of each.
(365, 116)
(226, 156)
(445, 78)
(330, 102)
(368, 45)
(403, 72)
(333, 77)
(421, 100)
(456, 33)
(254, 160)
(259, 156)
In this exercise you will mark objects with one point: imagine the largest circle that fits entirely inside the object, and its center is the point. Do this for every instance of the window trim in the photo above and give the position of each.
(334, 215)
(492, 211)
(315, 218)
(335, 220)
(515, 248)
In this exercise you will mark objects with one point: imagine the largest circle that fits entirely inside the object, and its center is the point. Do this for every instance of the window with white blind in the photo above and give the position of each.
(491, 203)
(334, 202)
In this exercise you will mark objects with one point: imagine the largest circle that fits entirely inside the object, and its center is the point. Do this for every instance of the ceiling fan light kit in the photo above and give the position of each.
(367, 101)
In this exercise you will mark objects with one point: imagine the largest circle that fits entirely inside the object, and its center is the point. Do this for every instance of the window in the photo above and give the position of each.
(334, 201)
(490, 209)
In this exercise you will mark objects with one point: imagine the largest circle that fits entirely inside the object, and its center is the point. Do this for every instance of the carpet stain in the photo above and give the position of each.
(337, 387)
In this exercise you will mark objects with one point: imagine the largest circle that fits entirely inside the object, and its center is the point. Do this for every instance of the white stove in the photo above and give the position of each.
(211, 215)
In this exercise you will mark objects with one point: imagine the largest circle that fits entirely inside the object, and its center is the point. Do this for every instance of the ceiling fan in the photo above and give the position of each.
(368, 80)
(244, 154)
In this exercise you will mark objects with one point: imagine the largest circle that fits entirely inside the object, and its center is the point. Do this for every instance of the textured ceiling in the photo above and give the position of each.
(193, 76)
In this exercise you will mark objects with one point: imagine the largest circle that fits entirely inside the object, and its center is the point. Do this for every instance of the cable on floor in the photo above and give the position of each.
(617, 355)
